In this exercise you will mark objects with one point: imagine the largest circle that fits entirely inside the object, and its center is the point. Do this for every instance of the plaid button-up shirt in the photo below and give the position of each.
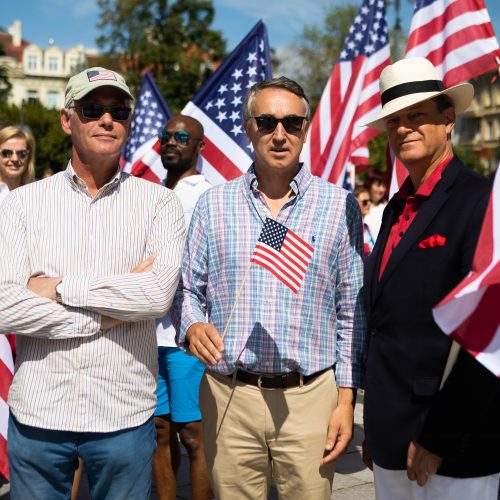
(274, 330)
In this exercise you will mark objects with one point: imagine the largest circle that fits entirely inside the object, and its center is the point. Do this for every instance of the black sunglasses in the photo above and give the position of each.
(180, 137)
(22, 154)
(268, 123)
(365, 202)
(95, 111)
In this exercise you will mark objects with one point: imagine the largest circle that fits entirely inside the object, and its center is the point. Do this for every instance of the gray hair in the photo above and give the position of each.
(275, 83)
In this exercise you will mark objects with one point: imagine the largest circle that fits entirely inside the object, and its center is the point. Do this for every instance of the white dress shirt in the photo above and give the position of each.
(70, 375)
(188, 190)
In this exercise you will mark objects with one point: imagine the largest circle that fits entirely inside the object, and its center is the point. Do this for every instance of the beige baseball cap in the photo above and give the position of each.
(90, 79)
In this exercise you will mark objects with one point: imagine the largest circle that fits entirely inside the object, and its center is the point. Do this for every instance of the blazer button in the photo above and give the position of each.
(374, 332)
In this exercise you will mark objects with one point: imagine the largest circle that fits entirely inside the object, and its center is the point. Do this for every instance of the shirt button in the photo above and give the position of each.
(407, 217)
(401, 234)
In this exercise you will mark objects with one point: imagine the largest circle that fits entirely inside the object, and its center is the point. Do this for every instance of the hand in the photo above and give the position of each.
(365, 454)
(420, 463)
(44, 286)
(339, 428)
(205, 343)
(145, 265)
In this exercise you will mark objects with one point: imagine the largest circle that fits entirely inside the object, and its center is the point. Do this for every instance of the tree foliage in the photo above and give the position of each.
(319, 48)
(5, 85)
(53, 146)
(172, 39)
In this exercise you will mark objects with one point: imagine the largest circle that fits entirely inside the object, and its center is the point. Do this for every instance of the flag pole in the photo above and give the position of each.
(236, 299)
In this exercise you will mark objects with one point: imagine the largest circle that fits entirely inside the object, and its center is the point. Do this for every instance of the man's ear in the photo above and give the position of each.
(451, 116)
(201, 146)
(65, 121)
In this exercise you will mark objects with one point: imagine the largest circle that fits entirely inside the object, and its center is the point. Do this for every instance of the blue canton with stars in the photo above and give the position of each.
(151, 112)
(368, 32)
(221, 96)
(273, 234)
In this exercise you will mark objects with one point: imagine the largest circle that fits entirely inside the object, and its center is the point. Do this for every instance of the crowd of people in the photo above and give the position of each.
(241, 319)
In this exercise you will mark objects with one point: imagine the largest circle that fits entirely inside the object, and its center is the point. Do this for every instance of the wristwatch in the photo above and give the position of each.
(58, 292)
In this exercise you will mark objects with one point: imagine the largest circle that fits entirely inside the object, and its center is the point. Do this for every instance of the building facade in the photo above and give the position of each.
(38, 73)
(478, 129)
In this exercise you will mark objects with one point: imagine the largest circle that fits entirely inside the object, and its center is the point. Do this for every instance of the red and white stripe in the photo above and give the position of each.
(6, 376)
(146, 162)
(222, 159)
(337, 137)
(470, 313)
(456, 36)
(289, 265)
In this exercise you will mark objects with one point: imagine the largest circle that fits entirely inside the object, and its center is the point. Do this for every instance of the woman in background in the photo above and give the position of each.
(17, 159)
(377, 188)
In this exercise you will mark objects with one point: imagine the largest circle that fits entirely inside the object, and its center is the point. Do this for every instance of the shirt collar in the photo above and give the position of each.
(298, 185)
(191, 180)
(80, 184)
(426, 189)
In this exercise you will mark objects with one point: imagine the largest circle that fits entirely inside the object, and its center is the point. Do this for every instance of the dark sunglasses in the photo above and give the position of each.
(180, 137)
(95, 111)
(22, 154)
(365, 202)
(268, 123)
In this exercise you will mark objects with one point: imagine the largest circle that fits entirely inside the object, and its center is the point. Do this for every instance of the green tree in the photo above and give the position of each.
(320, 46)
(5, 85)
(172, 39)
(53, 146)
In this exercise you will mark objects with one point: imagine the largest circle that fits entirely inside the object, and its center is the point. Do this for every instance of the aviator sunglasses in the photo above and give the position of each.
(268, 123)
(95, 111)
(22, 154)
(180, 137)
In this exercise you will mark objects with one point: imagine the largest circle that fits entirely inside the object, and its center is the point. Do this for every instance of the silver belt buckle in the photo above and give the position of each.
(259, 383)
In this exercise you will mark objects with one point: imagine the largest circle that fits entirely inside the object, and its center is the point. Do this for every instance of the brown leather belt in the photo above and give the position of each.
(270, 381)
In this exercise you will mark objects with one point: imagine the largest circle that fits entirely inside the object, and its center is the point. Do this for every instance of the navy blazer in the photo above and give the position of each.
(407, 351)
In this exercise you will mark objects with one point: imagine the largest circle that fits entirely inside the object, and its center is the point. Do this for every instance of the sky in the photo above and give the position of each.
(70, 22)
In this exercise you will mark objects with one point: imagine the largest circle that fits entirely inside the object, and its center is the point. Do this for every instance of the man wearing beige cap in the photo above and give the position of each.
(428, 436)
(90, 257)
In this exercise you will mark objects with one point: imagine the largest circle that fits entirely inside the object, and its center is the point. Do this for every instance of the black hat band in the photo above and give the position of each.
(411, 88)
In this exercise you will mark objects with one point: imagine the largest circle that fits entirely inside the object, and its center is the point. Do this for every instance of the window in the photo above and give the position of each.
(32, 95)
(53, 63)
(73, 62)
(52, 99)
(32, 62)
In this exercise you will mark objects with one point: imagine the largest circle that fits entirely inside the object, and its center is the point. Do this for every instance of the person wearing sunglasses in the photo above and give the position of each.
(177, 413)
(17, 158)
(90, 259)
(282, 362)
(363, 196)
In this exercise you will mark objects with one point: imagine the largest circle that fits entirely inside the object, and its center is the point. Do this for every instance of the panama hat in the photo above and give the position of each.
(413, 80)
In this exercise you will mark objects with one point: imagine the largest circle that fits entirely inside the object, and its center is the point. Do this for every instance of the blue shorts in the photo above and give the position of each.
(179, 376)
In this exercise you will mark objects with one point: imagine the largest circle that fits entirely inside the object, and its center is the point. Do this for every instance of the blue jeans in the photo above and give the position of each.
(118, 464)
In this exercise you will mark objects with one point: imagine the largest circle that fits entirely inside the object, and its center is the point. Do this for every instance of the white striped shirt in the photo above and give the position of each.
(69, 374)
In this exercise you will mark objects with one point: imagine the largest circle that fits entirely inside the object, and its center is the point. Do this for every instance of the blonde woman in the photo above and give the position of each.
(17, 158)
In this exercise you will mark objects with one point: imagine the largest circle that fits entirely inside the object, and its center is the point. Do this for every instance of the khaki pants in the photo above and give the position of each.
(251, 434)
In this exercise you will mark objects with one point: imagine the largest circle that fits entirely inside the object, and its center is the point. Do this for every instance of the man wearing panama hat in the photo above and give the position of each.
(426, 442)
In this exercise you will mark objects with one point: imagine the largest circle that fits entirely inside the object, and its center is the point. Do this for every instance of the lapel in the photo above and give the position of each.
(427, 213)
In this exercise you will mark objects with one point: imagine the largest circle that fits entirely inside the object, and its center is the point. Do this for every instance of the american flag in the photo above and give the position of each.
(217, 105)
(141, 155)
(458, 38)
(100, 74)
(6, 375)
(337, 138)
(470, 313)
(282, 252)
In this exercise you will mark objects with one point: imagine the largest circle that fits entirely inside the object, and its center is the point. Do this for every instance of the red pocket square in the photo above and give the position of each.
(436, 240)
